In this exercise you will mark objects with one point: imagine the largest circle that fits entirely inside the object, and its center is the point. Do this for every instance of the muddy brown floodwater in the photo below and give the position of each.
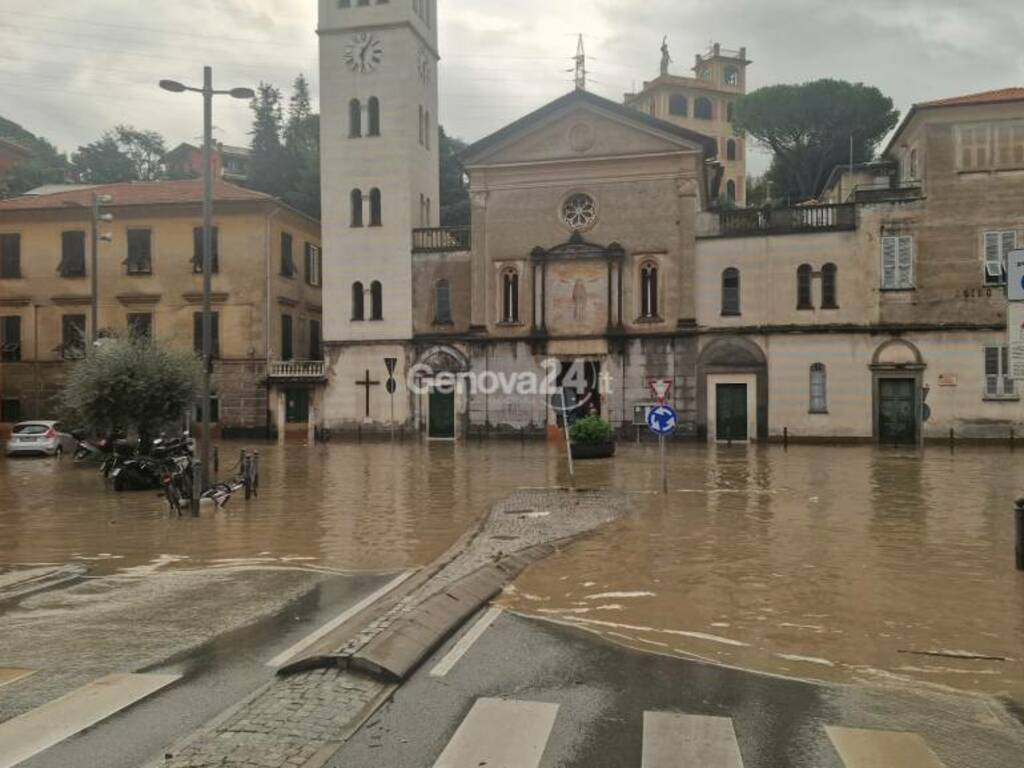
(835, 563)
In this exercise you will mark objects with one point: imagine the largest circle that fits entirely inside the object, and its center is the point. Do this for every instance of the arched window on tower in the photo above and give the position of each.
(803, 287)
(510, 296)
(442, 302)
(829, 294)
(355, 119)
(730, 191)
(702, 108)
(819, 389)
(375, 208)
(731, 291)
(356, 199)
(677, 105)
(730, 110)
(376, 300)
(649, 290)
(731, 76)
(358, 312)
(373, 117)
(730, 149)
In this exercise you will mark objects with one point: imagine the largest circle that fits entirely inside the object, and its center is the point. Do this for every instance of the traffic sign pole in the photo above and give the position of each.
(664, 472)
(568, 444)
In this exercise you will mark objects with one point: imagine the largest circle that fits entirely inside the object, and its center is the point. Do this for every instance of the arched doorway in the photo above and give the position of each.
(732, 391)
(897, 371)
(440, 399)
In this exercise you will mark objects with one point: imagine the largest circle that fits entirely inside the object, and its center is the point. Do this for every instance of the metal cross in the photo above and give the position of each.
(367, 384)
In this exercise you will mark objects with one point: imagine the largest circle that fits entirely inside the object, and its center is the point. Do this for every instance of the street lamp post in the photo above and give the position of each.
(208, 93)
(97, 217)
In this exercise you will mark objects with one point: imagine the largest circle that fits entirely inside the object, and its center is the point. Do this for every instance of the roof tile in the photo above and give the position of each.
(135, 193)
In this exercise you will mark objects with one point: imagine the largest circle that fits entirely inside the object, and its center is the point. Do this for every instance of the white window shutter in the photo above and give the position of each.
(905, 265)
(888, 262)
(1009, 243)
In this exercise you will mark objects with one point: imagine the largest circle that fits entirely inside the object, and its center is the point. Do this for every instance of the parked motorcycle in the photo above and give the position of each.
(143, 473)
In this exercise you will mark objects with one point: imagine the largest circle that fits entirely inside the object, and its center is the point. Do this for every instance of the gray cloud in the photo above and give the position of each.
(69, 72)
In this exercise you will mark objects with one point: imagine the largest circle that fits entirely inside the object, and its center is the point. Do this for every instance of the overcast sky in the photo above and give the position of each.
(68, 71)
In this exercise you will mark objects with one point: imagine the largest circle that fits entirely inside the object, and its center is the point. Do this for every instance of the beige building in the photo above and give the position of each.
(704, 103)
(266, 292)
(883, 315)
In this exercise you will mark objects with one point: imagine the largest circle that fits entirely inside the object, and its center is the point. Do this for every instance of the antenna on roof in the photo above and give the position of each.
(581, 66)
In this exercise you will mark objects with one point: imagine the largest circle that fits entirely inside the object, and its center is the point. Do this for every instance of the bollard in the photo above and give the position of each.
(785, 438)
(255, 473)
(1019, 532)
(952, 439)
(1011, 439)
(216, 459)
(247, 475)
(197, 487)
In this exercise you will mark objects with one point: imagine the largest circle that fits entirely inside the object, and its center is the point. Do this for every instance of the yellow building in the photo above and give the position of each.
(266, 292)
(705, 104)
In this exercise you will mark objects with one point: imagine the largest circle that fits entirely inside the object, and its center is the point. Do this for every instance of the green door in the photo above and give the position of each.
(442, 415)
(731, 412)
(897, 412)
(297, 406)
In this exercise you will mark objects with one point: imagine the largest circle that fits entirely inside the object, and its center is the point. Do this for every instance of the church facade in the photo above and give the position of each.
(602, 255)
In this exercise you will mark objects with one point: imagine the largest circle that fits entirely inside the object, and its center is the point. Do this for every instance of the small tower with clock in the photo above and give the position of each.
(379, 181)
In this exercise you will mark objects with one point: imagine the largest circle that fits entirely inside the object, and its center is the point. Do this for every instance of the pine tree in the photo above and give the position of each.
(268, 164)
(302, 147)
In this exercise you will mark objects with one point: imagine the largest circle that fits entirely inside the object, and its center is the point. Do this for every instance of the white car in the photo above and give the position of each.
(46, 438)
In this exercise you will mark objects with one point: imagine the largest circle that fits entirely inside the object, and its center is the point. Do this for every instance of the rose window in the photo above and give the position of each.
(579, 212)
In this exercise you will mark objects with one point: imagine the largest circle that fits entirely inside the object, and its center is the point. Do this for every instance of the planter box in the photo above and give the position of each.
(598, 451)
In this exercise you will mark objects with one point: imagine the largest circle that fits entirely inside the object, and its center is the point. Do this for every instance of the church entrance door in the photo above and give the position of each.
(731, 412)
(581, 380)
(441, 419)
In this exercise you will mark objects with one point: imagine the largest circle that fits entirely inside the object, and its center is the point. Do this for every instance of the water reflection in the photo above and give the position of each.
(840, 563)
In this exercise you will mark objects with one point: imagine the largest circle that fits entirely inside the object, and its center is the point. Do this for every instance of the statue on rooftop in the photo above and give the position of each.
(665, 58)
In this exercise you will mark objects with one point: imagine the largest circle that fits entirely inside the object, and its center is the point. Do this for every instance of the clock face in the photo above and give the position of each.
(364, 53)
(423, 66)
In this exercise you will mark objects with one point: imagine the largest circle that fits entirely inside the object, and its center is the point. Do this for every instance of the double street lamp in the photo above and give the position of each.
(208, 93)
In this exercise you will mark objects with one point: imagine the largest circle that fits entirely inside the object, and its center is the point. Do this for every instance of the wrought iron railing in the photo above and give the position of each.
(783, 221)
(297, 369)
(440, 239)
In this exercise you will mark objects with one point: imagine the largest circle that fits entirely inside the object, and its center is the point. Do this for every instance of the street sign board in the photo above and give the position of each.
(391, 386)
(391, 362)
(1015, 275)
(662, 420)
(1015, 338)
(640, 411)
(660, 388)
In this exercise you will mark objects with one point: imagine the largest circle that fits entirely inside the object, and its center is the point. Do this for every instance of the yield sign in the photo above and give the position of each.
(660, 388)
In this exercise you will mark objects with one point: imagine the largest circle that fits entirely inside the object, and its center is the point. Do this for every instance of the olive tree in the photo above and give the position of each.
(130, 383)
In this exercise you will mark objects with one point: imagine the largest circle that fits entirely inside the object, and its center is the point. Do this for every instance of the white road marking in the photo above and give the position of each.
(444, 666)
(860, 748)
(501, 734)
(31, 733)
(285, 656)
(687, 741)
(10, 675)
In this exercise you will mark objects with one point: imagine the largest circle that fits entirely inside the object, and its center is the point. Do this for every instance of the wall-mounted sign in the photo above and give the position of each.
(948, 380)
(1015, 338)
(1015, 275)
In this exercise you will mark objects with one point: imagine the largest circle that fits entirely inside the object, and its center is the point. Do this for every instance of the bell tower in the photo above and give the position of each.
(379, 181)
(379, 159)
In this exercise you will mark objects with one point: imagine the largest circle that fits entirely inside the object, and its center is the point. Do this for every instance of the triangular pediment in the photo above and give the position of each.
(581, 125)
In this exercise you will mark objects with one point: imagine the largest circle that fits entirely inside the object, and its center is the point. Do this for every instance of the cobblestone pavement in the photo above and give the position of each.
(301, 719)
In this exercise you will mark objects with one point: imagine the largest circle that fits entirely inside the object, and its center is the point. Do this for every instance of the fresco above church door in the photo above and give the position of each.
(577, 298)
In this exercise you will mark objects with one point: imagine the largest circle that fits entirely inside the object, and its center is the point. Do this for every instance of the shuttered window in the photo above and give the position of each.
(897, 262)
(197, 333)
(997, 369)
(819, 389)
(974, 151)
(1009, 145)
(10, 256)
(10, 339)
(997, 246)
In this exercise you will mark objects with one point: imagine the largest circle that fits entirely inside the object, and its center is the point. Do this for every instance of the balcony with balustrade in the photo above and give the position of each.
(297, 371)
(441, 239)
(749, 222)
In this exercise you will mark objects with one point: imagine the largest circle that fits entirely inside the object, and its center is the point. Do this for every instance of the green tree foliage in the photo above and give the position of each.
(455, 209)
(121, 154)
(130, 383)
(808, 127)
(268, 164)
(45, 166)
(302, 148)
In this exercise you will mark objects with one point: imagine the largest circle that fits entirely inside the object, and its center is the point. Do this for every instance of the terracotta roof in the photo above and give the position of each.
(135, 193)
(985, 97)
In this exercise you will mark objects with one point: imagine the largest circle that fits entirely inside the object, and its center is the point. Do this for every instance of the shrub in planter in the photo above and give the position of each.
(591, 438)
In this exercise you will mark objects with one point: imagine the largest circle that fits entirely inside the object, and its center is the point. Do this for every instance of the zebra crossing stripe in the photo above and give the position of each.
(10, 675)
(500, 733)
(860, 748)
(672, 740)
(31, 733)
